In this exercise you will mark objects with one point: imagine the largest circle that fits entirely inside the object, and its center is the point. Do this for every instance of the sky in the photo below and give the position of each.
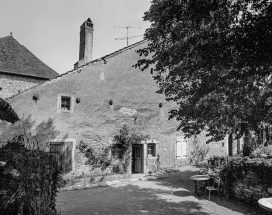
(50, 28)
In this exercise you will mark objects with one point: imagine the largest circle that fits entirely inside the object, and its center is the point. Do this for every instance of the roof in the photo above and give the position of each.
(7, 113)
(18, 60)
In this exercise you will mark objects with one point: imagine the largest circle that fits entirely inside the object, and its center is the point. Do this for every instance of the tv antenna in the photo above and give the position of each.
(127, 37)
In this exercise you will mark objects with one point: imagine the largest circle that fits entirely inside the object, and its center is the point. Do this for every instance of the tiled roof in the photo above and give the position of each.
(17, 59)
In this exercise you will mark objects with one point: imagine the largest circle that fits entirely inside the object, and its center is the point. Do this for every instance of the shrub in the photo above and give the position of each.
(97, 157)
(251, 142)
(267, 150)
(29, 180)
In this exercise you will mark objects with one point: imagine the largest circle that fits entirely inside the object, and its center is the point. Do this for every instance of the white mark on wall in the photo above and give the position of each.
(102, 76)
(128, 111)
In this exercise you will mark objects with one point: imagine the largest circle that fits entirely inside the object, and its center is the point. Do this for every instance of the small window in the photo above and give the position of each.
(65, 103)
(117, 151)
(151, 148)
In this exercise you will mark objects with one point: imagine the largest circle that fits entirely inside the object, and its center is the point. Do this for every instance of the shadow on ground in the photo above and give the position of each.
(128, 199)
(181, 179)
(171, 193)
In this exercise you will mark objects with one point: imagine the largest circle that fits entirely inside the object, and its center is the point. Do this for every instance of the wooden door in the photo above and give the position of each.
(63, 153)
(137, 155)
(230, 140)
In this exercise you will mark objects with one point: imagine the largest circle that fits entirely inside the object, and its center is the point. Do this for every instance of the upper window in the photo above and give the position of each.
(65, 103)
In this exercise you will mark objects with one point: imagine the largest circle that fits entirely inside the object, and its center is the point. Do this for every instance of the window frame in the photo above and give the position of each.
(59, 103)
(153, 154)
(65, 103)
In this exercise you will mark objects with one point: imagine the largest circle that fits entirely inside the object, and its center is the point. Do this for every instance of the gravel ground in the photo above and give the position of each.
(172, 193)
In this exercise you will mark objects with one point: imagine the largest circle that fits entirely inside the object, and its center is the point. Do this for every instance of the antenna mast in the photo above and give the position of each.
(127, 37)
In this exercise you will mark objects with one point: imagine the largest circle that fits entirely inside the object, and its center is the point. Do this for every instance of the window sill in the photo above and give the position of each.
(151, 157)
(66, 111)
(182, 158)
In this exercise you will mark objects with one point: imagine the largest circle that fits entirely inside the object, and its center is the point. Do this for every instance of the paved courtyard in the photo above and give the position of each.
(173, 193)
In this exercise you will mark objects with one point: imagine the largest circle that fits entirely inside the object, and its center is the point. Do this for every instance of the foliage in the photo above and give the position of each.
(199, 152)
(262, 167)
(29, 131)
(263, 150)
(127, 138)
(213, 58)
(217, 162)
(251, 142)
(99, 156)
(29, 180)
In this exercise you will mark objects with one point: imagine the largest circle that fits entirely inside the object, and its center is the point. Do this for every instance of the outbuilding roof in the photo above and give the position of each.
(18, 60)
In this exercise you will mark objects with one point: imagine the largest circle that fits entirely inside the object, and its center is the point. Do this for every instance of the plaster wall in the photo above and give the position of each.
(12, 84)
(94, 120)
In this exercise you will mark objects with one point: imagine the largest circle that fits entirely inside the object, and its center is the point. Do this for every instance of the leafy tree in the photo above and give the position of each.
(213, 58)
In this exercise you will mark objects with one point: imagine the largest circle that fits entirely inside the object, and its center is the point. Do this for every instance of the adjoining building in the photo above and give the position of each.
(95, 100)
(19, 68)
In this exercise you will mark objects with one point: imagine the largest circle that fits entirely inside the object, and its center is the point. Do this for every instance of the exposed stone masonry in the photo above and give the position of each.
(11, 84)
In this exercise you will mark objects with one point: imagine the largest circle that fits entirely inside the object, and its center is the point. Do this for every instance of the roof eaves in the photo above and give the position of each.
(23, 75)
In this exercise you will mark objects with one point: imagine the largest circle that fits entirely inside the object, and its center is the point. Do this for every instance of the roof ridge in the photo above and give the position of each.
(11, 35)
(5, 36)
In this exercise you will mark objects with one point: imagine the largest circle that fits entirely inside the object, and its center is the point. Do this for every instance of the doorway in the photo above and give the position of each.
(137, 158)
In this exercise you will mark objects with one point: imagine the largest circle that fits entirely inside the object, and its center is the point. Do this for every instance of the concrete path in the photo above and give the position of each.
(171, 194)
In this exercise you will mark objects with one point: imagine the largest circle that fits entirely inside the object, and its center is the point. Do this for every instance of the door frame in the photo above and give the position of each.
(142, 158)
(65, 140)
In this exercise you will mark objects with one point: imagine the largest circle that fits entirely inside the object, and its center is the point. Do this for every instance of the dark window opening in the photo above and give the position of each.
(65, 103)
(117, 151)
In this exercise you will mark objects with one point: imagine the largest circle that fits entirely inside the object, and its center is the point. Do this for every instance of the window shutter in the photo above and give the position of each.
(184, 148)
(178, 149)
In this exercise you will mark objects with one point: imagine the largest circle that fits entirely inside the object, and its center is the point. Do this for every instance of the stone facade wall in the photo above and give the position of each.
(12, 84)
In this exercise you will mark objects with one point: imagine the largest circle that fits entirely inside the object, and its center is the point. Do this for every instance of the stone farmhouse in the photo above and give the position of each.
(92, 103)
(19, 68)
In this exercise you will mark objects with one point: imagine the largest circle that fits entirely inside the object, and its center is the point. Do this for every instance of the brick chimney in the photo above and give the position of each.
(86, 43)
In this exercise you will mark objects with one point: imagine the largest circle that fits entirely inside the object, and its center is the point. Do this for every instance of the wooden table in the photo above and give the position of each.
(266, 203)
(199, 178)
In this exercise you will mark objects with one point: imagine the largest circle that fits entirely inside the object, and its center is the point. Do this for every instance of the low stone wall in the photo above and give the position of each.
(248, 180)
(86, 180)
